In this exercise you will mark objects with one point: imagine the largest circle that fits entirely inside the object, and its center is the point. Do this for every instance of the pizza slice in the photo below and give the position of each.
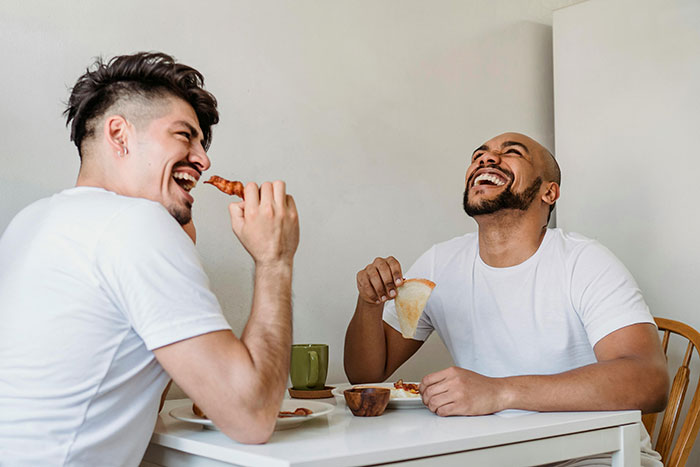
(411, 297)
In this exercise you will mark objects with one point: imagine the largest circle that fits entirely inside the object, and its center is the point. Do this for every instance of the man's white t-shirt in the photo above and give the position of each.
(90, 283)
(540, 317)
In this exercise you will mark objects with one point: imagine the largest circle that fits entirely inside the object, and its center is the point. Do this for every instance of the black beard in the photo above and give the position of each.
(505, 200)
(182, 216)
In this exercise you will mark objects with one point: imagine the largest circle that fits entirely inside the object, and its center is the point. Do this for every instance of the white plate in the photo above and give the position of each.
(394, 403)
(185, 414)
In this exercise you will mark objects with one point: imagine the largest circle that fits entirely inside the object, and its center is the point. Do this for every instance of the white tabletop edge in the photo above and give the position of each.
(294, 449)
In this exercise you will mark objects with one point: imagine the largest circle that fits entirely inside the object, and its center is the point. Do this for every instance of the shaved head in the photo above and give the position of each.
(552, 172)
(495, 159)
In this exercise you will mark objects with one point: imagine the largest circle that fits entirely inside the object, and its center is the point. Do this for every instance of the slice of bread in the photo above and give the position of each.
(411, 298)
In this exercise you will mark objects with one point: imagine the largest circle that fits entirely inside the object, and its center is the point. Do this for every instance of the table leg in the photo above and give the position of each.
(628, 455)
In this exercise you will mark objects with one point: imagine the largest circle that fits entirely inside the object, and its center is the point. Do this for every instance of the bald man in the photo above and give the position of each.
(534, 318)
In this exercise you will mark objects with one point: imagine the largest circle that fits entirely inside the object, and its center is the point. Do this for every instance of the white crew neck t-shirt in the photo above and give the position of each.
(90, 283)
(542, 316)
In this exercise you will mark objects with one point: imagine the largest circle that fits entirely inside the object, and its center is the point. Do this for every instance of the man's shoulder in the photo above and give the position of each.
(576, 248)
(455, 248)
(108, 205)
(111, 217)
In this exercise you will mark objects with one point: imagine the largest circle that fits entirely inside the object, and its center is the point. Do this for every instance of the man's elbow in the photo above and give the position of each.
(251, 417)
(252, 431)
(657, 385)
(250, 425)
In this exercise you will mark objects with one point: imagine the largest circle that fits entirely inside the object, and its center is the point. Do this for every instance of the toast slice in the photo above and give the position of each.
(411, 298)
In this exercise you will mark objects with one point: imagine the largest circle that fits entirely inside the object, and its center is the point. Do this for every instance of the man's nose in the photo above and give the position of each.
(199, 157)
(489, 158)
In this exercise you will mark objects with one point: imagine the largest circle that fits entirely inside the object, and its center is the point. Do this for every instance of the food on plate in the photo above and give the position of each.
(400, 390)
(299, 412)
(227, 186)
(197, 411)
(411, 297)
(411, 388)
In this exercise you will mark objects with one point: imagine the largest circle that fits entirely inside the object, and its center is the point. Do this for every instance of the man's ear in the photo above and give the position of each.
(116, 133)
(551, 195)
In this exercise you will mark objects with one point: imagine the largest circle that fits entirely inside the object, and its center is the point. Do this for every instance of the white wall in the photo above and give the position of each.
(627, 100)
(368, 109)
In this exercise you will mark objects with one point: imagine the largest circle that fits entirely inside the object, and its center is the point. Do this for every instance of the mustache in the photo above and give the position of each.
(187, 164)
(492, 166)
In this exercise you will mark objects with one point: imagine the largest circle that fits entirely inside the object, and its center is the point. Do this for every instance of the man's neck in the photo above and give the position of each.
(93, 174)
(509, 238)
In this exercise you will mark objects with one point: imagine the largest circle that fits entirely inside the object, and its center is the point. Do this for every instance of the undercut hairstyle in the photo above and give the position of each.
(142, 78)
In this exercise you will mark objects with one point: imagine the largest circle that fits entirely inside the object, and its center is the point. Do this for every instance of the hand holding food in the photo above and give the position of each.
(267, 223)
(227, 186)
(377, 282)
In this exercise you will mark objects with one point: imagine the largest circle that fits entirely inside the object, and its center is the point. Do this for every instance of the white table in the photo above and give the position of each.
(413, 437)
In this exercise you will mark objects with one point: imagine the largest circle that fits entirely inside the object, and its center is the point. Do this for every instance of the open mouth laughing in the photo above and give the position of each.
(489, 177)
(185, 180)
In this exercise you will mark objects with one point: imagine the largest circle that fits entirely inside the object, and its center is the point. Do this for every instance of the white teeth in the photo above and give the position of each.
(495, 179)
(184, 176)
(188, 181)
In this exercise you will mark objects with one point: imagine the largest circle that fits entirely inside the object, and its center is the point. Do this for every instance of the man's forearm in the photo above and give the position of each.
(268, 333)
(365, 344)
(624, 383)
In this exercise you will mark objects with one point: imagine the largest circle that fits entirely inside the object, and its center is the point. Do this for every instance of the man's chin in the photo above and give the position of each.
(181, 215)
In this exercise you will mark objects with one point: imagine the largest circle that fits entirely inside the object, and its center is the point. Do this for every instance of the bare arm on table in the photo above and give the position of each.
(630, 374)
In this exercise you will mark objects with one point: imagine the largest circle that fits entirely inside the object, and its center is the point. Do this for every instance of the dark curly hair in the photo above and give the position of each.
(143, 75)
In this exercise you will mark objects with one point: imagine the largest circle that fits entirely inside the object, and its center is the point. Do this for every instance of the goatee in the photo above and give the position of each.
(181, 215)
(507, 199)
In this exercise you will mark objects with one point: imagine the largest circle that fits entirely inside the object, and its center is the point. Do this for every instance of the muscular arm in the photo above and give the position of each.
(373, 349)
(630, 374)
(239, 383)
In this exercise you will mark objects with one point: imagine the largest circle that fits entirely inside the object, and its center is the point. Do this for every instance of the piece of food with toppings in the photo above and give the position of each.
(408, 387)
(227, 186)
(411, 297)
(299, 412)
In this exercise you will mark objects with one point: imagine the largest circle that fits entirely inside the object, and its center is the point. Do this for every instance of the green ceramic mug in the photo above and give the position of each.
(309, 366)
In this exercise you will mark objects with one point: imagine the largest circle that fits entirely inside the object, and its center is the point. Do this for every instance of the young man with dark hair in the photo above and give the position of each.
(102, 293)
(534, 318)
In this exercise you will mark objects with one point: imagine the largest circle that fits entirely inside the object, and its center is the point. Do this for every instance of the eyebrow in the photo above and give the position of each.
(506, 144)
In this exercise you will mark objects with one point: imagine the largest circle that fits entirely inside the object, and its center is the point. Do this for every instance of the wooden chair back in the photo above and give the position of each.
(677, 455)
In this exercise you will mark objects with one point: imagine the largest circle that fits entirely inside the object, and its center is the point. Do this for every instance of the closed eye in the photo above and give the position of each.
(186, 134)
(514, 151)
(476, 156)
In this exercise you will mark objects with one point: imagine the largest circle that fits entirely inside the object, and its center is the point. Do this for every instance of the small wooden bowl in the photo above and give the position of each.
(367, 402)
